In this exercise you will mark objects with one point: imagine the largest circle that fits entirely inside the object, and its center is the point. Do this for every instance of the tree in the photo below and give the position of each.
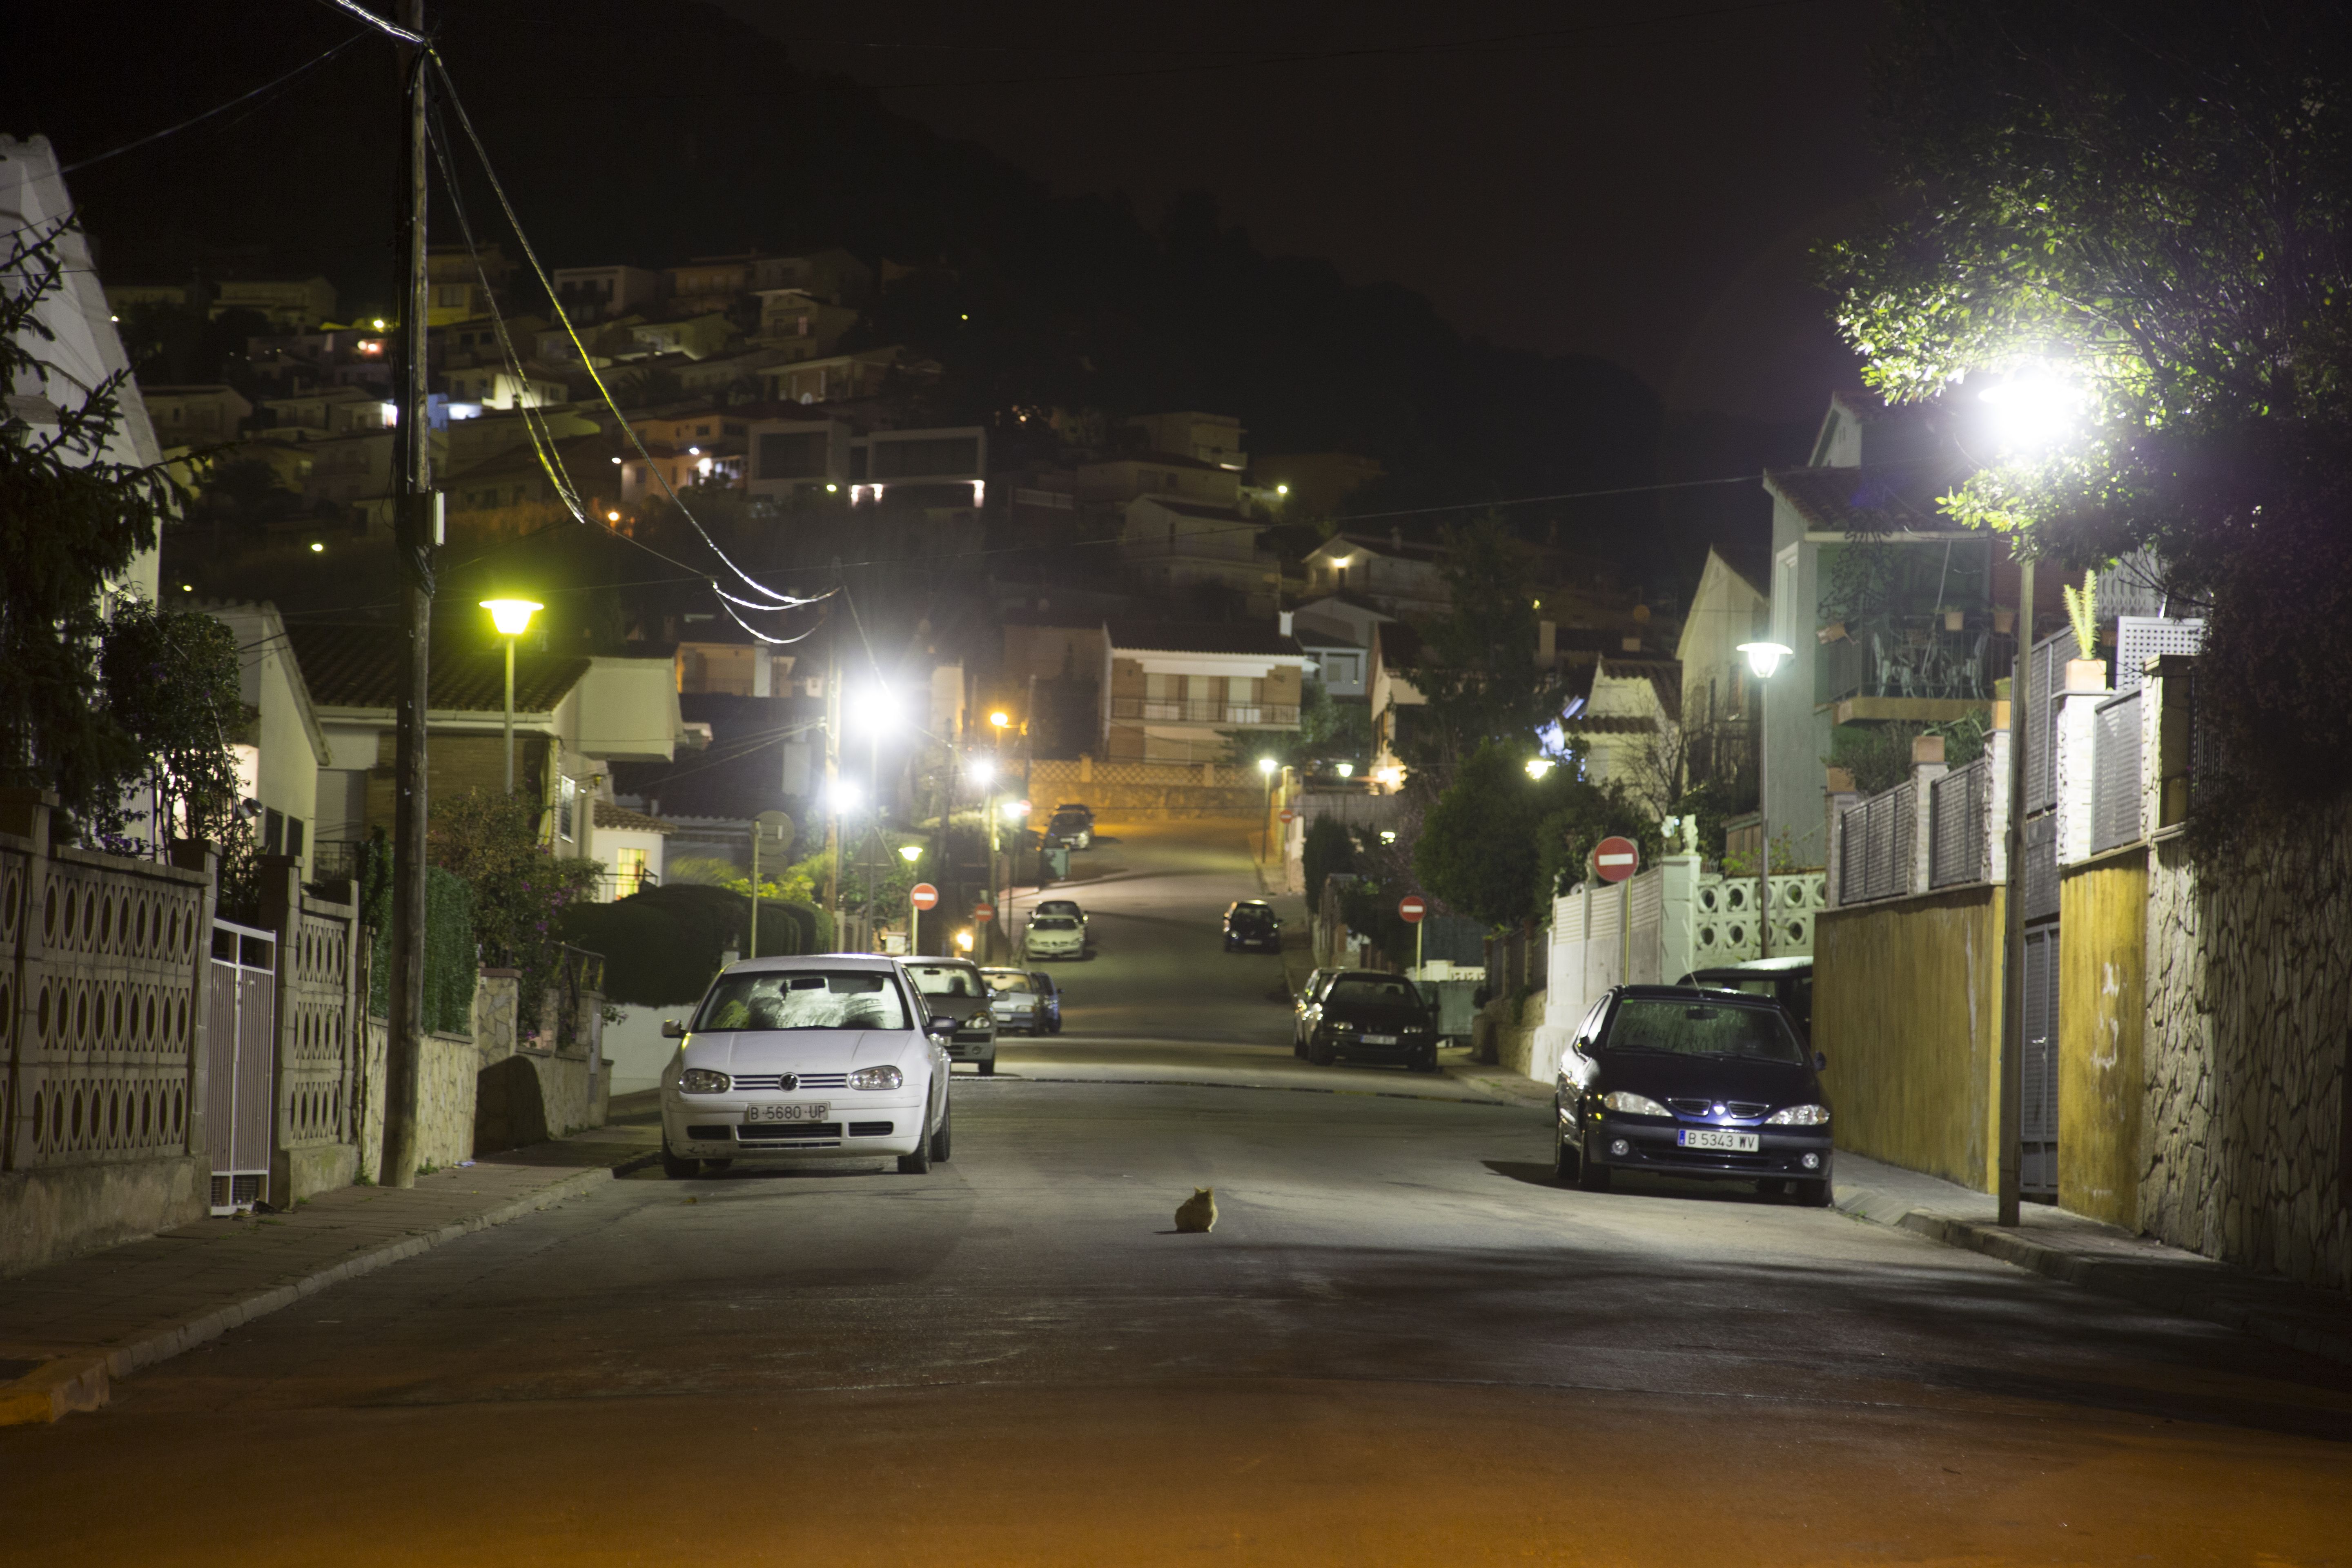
(1327, 848)
(1498, 845)
(1477, 664)
(2132, 218)
(171, 683)
(490, 841)
(72, 520)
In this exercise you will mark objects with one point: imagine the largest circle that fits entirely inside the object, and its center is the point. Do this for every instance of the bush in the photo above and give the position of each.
(1327, 849)
(662, 946)
(450, 965)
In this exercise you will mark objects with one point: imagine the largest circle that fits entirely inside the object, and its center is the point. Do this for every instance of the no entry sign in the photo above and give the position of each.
(1614, 860)
(983, 914)
(1289, 815)
(924, 897)
(1410, 909)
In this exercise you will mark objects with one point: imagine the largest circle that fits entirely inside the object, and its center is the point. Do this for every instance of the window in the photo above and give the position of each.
(1688, 1029)
(567, 803)
(945, 980)
(791, 455)
(273, 831)
(294, 835)
(789, 1000)
(630, 872)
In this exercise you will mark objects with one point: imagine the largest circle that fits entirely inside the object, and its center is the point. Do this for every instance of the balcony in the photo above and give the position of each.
(1153, 710)
(1913, 667)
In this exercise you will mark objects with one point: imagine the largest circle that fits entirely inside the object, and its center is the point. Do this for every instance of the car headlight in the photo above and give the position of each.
(876, 1077)
(702, 1080)
(1416, 1028)
(1799, 1116)
(1633, 1104)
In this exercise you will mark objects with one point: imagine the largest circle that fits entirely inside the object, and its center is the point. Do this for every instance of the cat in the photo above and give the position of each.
(1198, 1212)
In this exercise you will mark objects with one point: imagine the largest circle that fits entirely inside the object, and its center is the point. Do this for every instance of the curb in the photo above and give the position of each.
(81, 1382)
(2229, 1301)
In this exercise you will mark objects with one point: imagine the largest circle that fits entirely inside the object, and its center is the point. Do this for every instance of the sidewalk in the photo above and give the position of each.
(2099, 1257)
(67, 1330)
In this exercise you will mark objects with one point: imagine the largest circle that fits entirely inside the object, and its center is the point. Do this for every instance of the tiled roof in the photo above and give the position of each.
(1854, 501)
(1183, 636)
(1611, 724)
(621, 818)
(359, 667)
(1664, 674)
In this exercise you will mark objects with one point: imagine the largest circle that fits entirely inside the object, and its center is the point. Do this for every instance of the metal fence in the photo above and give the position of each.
(2115, 748)
(1876, 846)
(1959, 805)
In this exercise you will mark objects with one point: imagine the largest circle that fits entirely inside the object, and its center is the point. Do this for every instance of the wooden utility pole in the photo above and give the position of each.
(2012, 907)
(414, 527)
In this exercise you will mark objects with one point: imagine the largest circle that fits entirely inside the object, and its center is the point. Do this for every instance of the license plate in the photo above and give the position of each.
(1707, 1138)
(1379, 1039)
(816, 1112)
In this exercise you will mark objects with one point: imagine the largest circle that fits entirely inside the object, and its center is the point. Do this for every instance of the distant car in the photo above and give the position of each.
(1014, 1001)
(1364, 1015)
(1686, 1082)
(1051, 992)
(1788, 980)
(1309, 994)
(1251, 923)
(1081, 807)
(825, 1057)
(1076, 829)
(1059, 907)
(1053, 936)
(953, 988)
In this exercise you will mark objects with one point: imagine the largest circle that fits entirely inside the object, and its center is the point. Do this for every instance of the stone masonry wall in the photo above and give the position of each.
(2249, 1023)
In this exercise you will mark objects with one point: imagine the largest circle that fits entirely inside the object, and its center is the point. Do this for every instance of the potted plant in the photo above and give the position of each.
(2004, 621)
(1953, 618)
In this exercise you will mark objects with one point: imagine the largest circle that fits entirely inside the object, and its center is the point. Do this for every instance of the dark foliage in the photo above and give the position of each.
(662, 946)
(1327, 848)
(450, 965)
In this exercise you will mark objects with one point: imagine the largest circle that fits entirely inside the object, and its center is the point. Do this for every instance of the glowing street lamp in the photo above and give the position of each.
(512, 617)
(1763, 658)
(1265, 766)
(2035, 407)
(1538, 766)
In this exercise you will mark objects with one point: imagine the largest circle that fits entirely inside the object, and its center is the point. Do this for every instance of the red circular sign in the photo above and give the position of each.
(982, 913)
(1410, 909)
(1289, 815)
(1615, 859)
(924, 897)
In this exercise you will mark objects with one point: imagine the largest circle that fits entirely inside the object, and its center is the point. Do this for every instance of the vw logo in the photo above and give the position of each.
(792, 1080)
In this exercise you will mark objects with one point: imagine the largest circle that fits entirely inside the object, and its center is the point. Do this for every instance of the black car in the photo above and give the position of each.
(1788, 980)
(1366, 1015)
(1052, 995)
(1251, 923)
(1074, 828)
(1686, 1082)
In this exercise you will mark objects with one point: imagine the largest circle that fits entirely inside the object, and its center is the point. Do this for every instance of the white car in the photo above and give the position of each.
(1054, 936)
(831, 1056)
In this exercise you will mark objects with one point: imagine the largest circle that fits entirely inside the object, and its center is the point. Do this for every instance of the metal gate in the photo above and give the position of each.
(2037, 1123)
(240, 1064)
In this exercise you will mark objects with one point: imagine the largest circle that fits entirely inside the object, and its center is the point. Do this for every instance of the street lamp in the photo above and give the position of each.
(1265, 766)
(512, 617)
(1763, 658)
(1538, 766)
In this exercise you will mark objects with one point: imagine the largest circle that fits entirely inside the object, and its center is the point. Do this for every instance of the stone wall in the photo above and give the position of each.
(446, 1088)
(2249, 1023)
(1163, 790)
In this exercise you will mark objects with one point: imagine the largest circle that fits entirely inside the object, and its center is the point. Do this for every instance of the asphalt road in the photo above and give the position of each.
(1400, 1344)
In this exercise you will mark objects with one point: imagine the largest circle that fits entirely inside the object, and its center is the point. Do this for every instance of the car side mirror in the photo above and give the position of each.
(939, 1027)
(672, 1029)
(1821, 1062)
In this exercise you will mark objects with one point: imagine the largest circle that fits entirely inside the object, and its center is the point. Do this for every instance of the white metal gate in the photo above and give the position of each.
(241, 1060)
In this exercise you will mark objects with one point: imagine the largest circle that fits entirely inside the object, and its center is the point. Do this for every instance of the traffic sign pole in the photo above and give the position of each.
(1410, 910)
(1615, 860)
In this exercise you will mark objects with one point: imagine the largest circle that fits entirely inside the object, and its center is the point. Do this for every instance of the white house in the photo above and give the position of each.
(281, 756)
(1175, 692)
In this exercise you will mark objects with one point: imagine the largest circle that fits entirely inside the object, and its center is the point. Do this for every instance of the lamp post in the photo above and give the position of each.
(911, 852)
(1265, 766)
(512, 617)
(1763, 657)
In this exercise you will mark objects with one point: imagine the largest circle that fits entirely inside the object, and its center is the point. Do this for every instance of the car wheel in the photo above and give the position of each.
(1813, 1194)
(1424, 1059)
(1053, 1027)
(1563, 1157)
(1319, 1051)
(987, 1067)
(1591, 1175)
(918, 1164)
(677, 1167)
(942, 1139)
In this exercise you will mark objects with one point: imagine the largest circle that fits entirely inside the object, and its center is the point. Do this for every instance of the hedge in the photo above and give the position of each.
(662, 946)
(450, 962)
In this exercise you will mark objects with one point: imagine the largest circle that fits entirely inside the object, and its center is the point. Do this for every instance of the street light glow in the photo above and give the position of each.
(1266, 766)
(317, 548)
(911, 852)
(2033, 408)
(963, 938)
(1764, 658)
(980, 770)
(511, 617)
(1538, 766)
(1000, 717)
(844, 797)
(1347, 769)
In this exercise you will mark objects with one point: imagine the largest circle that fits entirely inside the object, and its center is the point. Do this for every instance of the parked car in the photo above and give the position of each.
(1074, 828)
(1048, 988)
(1688, 1082)
(1251, 923)
(1365, 1014)
(1309, 994)
(1055, 937)
(1080, 806)
(824, 1057)
(1014, 1002)
(1788, 980)
(954, 988)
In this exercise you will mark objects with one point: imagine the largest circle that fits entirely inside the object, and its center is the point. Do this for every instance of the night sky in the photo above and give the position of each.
(1641, 183)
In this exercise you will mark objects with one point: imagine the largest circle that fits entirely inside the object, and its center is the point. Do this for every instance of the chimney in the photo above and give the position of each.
(1284, 615)
(1396, 537)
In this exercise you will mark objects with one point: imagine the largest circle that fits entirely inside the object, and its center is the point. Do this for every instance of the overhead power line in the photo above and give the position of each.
(262, 90)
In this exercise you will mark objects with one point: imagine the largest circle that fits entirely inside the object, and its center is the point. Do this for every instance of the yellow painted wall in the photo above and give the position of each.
(2102, 948)
(1906, 1003)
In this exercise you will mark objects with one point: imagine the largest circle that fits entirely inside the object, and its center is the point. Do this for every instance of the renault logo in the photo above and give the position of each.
(1718, 1107)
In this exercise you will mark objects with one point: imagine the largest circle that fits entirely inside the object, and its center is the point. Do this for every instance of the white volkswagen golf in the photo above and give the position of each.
(832, 1057)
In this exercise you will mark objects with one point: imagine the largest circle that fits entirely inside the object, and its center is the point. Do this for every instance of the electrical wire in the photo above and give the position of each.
(220, 109)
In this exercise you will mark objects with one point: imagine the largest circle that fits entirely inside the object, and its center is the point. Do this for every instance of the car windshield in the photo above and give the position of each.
(1053, 922)
(799, 999)
(1057, 907)
(1252, 915)
(1068, 819)
(944, 980)
(1700, 1029)
(1002, 981)
(1374, 992)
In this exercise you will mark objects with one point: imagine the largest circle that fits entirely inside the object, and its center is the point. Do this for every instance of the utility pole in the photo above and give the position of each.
(2012, 911)
(832, 781)
(413, 524)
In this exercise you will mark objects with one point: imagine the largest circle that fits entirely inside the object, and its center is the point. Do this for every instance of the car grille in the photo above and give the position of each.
(794, 1132)
(1743, 1110)
(869, 1129)
(710, 1133)
(771, 1080)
